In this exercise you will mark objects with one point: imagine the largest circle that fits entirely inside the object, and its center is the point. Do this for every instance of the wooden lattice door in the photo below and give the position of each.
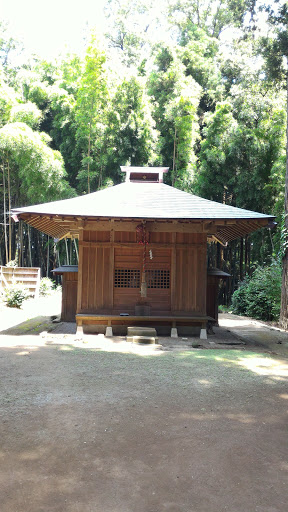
(128, 272)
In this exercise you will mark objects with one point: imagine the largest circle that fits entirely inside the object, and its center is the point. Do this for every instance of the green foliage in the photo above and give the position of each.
(130, 135)
(130, 23)
(175, 97)
(12, 263)
(27, 113)
(89, 112)
(37, 171)
(8, 46)
(259, 296)
(198, 52)
(8, 99)
(242, 148)
(14, 295)
(213, 17)
(46, 286)
(223, 309)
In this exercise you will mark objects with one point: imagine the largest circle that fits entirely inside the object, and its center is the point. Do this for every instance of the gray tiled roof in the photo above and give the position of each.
(142, 200)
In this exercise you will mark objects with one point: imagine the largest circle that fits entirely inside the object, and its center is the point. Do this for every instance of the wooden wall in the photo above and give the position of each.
(97, 270)
(190, 276)
(182, 256)
(69, 296)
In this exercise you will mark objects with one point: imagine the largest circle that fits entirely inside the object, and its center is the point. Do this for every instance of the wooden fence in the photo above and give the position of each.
(28, 276)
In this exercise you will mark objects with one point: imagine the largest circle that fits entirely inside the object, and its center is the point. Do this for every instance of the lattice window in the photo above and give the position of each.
(158, 278)
(126, 278)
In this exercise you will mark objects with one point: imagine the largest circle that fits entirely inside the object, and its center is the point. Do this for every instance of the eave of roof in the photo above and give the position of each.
(63, 269)
(141, 200)
(215, 272)
(138, 201)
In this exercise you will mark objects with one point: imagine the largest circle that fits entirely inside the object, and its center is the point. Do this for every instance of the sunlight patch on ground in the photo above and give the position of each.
(29, 342)
(69, 343)
(43, 306)
(214, 416)
(205, 382)
(264, 366)
(246, 419)
(230, 323)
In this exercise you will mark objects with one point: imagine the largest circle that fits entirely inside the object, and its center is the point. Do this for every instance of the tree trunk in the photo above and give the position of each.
(4, 212)
(284, 295)
(174, 158)
(241, 261)
(246, 255)
(88, 154)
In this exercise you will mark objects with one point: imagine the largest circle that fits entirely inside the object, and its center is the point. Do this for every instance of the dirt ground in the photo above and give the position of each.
(99, 425)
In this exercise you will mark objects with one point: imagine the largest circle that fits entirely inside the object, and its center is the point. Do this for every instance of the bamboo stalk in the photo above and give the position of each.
(4, 212)
(48, 255)
(67, 254)
(29, 246)
(9, 206)
(76, 249)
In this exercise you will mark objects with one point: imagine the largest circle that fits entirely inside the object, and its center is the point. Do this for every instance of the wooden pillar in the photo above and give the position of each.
(173, 273)
(111, 266)
(80, 271)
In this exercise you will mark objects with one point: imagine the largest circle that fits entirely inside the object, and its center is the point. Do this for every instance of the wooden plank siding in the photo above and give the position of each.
(69, 296)
(96, 291)
(191, 274)
(182, 259)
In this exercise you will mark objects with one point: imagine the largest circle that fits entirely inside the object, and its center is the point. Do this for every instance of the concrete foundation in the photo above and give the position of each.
(203, 334)
(148, 340)
(162, 330)
(174, 332)
(108, 332)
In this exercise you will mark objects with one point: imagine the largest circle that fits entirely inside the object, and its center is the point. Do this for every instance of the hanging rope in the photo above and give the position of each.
(141, 235)
(142, 239)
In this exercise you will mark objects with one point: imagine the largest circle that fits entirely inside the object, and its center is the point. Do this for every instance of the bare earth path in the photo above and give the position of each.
(92, 428)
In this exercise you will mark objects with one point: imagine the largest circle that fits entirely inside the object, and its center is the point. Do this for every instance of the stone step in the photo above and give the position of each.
(141, 331)
(148, 340)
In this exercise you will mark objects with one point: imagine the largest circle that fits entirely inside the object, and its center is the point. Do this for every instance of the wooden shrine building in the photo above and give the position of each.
(142, 252)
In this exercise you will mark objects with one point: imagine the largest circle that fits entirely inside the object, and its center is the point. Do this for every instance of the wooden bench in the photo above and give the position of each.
(173, 320)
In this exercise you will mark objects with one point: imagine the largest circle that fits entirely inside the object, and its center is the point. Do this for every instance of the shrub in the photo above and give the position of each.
(260, 295)
(222, 308)
(12, 263)
(14, 295)
(239, 298)
(46, 286)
